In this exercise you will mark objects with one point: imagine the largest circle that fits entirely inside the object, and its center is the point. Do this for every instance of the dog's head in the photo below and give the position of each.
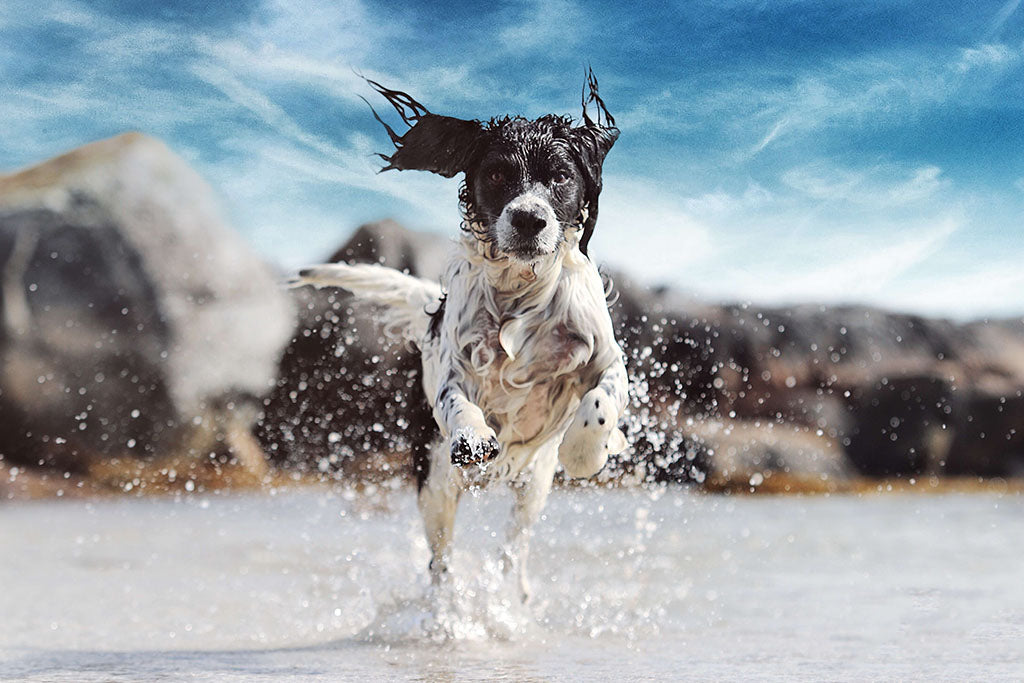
(528, 182)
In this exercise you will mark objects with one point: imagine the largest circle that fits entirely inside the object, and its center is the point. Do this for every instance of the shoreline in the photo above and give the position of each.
(177, 477)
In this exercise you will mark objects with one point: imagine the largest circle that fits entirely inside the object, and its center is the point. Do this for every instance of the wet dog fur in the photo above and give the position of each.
(520, 362)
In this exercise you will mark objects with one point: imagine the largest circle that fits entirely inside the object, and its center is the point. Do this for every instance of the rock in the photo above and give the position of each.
(751, 455)
(386, 242)
(134, 318)
(347, 397)
(848, 372)
(902, 425)
(988, 435)
(720, 394)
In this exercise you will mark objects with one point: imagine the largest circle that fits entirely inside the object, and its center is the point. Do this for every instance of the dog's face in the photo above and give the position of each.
(527, 188)
(527, 182)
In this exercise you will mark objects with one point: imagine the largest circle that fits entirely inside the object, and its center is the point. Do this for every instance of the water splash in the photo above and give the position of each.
(484, 606)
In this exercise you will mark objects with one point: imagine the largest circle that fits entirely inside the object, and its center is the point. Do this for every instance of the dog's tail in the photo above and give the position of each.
(406, 301)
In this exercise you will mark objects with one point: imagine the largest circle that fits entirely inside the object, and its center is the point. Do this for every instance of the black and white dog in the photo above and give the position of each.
(520, 362)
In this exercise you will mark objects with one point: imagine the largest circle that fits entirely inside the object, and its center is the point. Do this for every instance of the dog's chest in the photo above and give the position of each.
(528, 389)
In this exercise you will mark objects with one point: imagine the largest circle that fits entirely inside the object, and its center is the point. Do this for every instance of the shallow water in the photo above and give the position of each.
(330, 585)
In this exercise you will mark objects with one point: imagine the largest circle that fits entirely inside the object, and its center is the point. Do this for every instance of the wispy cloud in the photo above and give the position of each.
(268, 111)
(986, 56)
(879, 186)
(642, 223)
(865, 89)
(340, 30)
(999, 20)
(779, 126)
(545, 24)
(839, 267)
(859, 268)
(735, 174)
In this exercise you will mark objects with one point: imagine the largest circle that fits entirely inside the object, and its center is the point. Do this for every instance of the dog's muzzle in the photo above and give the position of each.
(527, 227)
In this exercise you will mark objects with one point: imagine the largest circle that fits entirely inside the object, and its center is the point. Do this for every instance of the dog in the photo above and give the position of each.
(520, 361)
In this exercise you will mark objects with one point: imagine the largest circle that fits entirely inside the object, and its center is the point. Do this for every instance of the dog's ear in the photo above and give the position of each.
(591, 142)
(439, 144)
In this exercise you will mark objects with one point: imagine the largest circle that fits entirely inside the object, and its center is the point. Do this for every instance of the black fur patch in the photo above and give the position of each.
(448, 146)
(434, 327)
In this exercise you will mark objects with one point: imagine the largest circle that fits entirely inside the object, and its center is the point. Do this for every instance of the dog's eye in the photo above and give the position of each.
(496, 177)
(561, 177)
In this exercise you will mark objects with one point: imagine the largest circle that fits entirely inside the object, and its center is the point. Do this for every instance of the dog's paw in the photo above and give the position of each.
(592, 436)
(470, 447)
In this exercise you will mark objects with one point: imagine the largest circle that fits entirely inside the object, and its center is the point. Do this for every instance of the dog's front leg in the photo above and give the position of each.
(471, 439)
(593, 433)
(438, 499)
(531, 490)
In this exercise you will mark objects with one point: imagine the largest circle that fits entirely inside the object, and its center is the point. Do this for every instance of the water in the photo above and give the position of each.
(330, 585)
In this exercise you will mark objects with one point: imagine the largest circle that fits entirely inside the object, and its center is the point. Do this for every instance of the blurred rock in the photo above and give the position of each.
(347, 398)
(988, 435)
(386, 242)
(900, 393)
(752, 455)
(135, 321)
(721, 394)
(902, 425)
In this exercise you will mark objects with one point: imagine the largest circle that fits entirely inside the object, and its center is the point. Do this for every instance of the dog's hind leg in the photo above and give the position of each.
(531, 490)
(438, 499)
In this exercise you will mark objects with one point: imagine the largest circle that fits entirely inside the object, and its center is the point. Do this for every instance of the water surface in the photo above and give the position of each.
(628, 584)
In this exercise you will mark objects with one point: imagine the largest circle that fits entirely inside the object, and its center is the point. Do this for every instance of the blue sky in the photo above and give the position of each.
(771, 151)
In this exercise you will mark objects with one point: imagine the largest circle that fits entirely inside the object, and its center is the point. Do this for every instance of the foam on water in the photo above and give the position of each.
(481, 608)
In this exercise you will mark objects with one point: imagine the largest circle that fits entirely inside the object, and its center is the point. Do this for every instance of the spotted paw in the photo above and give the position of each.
(472, 448)
(591, 437)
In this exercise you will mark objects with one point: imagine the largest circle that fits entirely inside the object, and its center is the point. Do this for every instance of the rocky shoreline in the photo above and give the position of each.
(139, 329)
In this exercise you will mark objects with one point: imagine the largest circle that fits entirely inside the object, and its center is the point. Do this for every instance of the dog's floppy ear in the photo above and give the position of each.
(439, 144)
(592, 141)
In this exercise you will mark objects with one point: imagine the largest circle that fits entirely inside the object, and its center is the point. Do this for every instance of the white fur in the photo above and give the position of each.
(525, 354)
(533, 202)
(403, 297)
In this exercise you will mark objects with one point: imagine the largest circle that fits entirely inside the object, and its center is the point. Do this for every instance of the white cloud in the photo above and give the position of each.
(722, 206)
(29, 12)
(837, 267)
(300, 205)
(854, 91)
(74, 14)
(648, 231)
(339, 30)
(653, 112)
(263, 107)
(844, 92)
(143, 41)
(990, 55)
(332, 77)
(864, 267)
(973, 290)
(779, 127)
(1001, 16)
(546, 24)
(758, 108)
(879, 186)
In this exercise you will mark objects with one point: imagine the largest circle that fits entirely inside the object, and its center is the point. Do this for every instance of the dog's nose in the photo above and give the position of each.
(527, 223)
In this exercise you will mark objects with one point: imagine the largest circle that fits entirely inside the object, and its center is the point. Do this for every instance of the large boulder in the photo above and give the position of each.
(135, 321)
(346, 396)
